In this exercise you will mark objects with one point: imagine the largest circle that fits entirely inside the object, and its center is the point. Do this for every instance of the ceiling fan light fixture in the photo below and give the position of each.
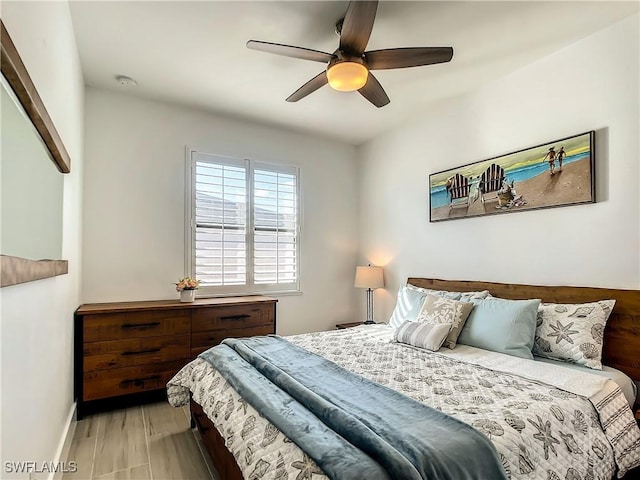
(347, 76)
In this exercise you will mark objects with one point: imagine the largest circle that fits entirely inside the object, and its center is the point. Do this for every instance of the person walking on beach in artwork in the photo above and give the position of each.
(560, 156)
(551, 158)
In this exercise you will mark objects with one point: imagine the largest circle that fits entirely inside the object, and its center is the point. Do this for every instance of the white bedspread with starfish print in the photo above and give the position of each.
(547, 422)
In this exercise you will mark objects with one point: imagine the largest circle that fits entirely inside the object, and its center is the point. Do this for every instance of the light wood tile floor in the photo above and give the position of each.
(149, 442)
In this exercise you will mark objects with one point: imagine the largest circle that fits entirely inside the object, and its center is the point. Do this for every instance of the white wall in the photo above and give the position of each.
(37, 317)
(134, 194)
(591, 85)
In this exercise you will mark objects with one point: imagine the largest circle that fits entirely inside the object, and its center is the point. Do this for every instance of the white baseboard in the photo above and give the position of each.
(62, 452)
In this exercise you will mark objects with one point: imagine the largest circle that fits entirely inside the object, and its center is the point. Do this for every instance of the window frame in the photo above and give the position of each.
(250, 165)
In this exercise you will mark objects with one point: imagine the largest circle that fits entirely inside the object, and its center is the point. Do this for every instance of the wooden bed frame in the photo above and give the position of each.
(622, 333)
(621, 343)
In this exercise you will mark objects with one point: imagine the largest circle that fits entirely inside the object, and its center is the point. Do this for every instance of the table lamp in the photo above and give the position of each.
(369, 277)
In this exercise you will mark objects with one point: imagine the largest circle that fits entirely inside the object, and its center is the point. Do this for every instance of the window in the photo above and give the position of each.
(243, 225)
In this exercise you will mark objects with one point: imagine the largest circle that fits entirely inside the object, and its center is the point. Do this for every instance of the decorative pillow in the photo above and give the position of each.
(464, 296)
(407, 306)
(438, 310)
(504, 326)
(439, 293)
(423, 335)
(411, 298)
(572, 332)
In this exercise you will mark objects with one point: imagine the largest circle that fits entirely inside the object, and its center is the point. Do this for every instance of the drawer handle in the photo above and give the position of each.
(139, 382)
(140, 352)
(141, 325)
(235, 317)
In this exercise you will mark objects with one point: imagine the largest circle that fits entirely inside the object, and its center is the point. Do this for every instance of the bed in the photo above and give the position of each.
(545, 420)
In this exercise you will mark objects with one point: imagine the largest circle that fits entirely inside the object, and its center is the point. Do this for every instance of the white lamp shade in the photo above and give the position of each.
(369, 277)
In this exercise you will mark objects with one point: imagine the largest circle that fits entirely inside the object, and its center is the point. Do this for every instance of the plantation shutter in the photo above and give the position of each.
(220, 221)
(244, 224)
(275, 230)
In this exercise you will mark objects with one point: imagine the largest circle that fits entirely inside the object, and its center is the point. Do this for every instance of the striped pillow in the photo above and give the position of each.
(422, 335)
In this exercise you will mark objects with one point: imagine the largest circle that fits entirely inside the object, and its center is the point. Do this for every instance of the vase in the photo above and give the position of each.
(187, 296)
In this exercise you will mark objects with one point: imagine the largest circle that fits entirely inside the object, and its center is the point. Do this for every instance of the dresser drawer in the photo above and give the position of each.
(231, 317)
(135, 351)
(201, 341)
(130, 350)
(121, 381)
(120, 326)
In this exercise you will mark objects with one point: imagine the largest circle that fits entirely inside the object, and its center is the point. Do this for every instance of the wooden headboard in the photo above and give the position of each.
(622, 333)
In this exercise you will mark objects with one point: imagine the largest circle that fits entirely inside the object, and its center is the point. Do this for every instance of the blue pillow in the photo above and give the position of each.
(407, 307)
(504, 326)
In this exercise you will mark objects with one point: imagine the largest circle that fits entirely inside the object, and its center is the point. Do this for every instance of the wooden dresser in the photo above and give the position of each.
(126, 351)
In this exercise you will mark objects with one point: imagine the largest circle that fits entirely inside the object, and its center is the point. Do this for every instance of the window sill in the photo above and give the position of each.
(286, 293)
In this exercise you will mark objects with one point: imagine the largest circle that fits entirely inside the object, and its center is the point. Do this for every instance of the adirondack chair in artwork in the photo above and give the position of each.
(459, 188)
(490, 182)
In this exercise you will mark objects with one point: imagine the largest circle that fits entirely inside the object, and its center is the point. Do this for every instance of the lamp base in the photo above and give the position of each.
(369, 322)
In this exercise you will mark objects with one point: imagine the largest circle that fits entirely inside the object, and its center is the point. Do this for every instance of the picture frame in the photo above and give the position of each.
(33, 161)
(553, 174)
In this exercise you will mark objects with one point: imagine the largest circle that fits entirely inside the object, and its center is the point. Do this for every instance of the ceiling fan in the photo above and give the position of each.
(349, 67)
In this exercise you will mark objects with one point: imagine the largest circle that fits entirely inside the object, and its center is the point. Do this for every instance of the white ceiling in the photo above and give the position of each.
(193, 53)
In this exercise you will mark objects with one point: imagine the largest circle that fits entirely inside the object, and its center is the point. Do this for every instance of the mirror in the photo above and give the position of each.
(30, 187)
(32, 158)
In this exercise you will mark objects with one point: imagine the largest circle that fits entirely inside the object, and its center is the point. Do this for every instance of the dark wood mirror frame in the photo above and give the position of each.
(14, 270)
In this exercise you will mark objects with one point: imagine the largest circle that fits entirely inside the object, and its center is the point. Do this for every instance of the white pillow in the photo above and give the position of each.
(572, 333)
(463, 296)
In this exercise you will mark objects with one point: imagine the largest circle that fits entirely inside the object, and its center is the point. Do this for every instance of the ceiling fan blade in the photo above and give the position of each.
(290, 51)
(311, 86)
(374, 92)
(357, 26)
(407, 57)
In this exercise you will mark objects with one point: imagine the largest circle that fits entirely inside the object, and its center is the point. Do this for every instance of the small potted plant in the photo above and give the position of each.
(187, 287)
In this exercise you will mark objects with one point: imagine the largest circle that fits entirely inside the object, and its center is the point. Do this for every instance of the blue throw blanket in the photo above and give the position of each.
(351, 427)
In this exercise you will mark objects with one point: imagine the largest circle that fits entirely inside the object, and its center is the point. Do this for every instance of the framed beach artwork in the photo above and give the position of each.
(553, 174)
